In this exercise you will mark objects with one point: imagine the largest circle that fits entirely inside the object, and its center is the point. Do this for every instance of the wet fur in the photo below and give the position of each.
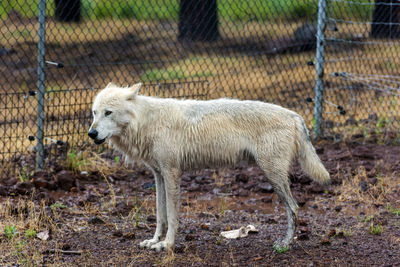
(170, 136)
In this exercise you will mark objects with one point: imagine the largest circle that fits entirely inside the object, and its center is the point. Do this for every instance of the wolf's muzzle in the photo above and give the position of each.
(93, 134)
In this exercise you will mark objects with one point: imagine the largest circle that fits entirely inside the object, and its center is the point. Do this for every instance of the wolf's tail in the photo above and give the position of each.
(308, 158)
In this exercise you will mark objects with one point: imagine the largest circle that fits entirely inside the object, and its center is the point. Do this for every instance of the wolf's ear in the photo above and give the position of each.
(111, 84)
(134, 90)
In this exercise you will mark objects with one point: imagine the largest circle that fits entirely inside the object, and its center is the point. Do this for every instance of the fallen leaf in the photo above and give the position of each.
(43, 235)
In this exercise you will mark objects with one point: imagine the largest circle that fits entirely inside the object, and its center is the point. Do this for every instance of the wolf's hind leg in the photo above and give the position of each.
(277, 174)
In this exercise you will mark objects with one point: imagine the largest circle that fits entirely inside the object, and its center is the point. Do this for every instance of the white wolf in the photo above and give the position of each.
(170, 136)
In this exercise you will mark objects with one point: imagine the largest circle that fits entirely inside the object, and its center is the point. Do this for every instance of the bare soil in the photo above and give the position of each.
(98, 219)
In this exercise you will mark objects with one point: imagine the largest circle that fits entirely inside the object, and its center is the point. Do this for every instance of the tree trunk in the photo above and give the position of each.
(385, 19)
(68, 10)
(198, 20)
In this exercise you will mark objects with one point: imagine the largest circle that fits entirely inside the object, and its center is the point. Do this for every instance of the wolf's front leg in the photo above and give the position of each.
(172, 188)
(161, 212)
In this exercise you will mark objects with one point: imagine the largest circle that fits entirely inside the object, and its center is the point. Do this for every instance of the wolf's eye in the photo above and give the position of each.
(107, 112)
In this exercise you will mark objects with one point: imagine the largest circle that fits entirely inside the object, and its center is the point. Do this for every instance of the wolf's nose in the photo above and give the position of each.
(93, 133)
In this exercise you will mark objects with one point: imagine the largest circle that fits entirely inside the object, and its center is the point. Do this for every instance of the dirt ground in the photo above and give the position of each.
(97, 218)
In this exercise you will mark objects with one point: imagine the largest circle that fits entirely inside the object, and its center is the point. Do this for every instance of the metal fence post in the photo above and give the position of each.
(319, 76)
(40, 84)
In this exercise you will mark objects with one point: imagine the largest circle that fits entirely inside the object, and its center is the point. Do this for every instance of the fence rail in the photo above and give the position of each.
(206, 49)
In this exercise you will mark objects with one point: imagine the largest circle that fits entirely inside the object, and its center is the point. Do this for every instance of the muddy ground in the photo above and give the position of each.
(96, 218)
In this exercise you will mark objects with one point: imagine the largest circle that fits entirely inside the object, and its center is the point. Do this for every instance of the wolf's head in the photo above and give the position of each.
(113, 109)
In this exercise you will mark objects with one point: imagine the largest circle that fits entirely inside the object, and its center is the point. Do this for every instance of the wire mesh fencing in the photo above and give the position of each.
(192, 49)
(362, 69)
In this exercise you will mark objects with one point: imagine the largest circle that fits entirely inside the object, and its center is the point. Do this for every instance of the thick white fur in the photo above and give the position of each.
(170, 136)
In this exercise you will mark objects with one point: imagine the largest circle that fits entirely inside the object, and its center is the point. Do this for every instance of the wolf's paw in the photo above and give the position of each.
(163, 245)
(281, 247)
(148, 243)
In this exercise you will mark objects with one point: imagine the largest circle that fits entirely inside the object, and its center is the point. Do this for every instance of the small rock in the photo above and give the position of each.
(304, 180)
(201, 180)
(65, 180)
(12, 181)
(92, 197)
(189, 237)
(303, 233)
(373, 181)
(248, 186)
(265, 188)
(23, 188)
(52, 185)
(316, 189)
(43, 235)
(325, 241)
(40, 183)
(243, 193)
(266, 199)
(193, 187)
(129, 235)
(123, 208)
(44, 196)
(151, 218)
(3, 190)
(149, 186)
(302, 223)
(117, 233)
(65, 246)
(242, 177)
(95, 220)
(338, 208)
(371, 173)
(364, 152)
(271, 221)
(205, 215)
(205, 226)
(363, 185)
(332, 232)
(301, 200)
(179, 248)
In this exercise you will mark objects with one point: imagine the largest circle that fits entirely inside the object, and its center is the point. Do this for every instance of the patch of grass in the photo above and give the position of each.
(10, 231)
(76, 161)
(58, 205)
(375, 229)
(395, 211)
(30, 233)
(230, 10)
(24, 174)
(173, 73)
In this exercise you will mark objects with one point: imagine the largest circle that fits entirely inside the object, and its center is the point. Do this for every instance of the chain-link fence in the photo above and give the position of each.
(200, 49)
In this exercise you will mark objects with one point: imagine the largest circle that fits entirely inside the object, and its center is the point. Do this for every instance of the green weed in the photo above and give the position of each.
(58, 205)
(75, 161)
(10, 231)
(375, 229)
(393, 210)
(30, 233)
